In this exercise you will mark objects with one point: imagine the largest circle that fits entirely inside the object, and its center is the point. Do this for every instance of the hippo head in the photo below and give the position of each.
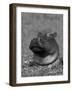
(41, 45)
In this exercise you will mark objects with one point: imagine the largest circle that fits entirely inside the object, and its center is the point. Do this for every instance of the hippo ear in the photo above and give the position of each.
(53, 34)
(39, 34)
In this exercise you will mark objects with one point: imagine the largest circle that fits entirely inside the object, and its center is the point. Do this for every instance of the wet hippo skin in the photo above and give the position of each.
(45, 48)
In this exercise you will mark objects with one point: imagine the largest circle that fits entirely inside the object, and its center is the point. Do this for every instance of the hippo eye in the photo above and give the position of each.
(39, 39)
(48, 34)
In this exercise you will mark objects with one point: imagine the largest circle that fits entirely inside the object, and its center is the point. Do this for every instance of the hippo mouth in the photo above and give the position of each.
(39, 51)
(36, 48)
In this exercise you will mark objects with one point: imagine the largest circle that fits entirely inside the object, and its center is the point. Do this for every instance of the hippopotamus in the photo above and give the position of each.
(45, 48)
